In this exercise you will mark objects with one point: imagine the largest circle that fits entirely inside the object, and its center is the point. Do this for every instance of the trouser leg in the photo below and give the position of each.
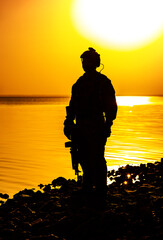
(85, 155)
(91, 152)
(101, 169)
(101, 178)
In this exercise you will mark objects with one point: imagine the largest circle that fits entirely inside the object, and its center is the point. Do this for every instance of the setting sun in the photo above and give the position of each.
(41, 43)
(119, 24)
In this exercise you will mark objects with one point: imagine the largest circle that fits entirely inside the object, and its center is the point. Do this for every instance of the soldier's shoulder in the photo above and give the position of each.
(78, 83)
(80, 79)
(106, 84)
(104, 79)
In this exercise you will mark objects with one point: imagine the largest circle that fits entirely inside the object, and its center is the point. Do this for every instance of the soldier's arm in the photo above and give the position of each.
(110, 104)
(70, 115)
(71, 107)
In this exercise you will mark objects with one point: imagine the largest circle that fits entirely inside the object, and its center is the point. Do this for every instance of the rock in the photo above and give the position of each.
(41, 186)
(7, 233)
(37, 221)
(47, 188)
(46, 237)
(60, 181)
(4, 196)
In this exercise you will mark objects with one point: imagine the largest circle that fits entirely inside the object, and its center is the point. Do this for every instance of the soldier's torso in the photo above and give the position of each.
(88, 93)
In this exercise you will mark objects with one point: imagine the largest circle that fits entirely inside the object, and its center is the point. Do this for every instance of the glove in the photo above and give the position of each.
(107, 129)
(68, 128)
(107, 132)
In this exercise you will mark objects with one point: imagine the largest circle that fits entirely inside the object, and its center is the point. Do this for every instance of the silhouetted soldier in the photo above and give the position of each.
(93, 108)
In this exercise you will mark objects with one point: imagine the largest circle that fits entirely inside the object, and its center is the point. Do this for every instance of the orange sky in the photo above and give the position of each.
(40, 49)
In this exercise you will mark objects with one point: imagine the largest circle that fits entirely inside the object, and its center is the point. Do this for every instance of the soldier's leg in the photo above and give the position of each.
(84, 153)
(101, 168)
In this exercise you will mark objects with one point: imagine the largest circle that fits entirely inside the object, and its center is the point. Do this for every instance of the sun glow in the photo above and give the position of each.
(120, 24)
(131, 101)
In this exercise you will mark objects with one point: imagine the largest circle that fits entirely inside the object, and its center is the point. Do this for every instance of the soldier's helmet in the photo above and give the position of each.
(91, 58)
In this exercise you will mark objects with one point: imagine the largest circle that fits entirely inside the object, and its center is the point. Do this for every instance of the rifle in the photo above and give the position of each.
(74, 158)
(73, 144)
(74, 155)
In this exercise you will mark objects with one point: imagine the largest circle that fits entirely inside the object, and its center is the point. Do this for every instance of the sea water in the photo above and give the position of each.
(32, 143)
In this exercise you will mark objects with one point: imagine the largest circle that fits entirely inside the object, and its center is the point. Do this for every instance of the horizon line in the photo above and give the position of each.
(67, 96)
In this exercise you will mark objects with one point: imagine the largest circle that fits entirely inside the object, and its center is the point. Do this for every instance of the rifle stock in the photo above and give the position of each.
(74, 157)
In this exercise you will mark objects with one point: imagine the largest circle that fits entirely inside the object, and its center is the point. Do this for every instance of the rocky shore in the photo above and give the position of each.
(132, 210)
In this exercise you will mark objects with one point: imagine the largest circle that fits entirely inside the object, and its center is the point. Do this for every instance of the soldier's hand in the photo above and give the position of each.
(108, 125)
(67, 133)
(107, 131)
(68, 127)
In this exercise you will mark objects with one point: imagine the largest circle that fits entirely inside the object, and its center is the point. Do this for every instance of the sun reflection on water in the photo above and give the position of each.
(131, 101)
(137, 131)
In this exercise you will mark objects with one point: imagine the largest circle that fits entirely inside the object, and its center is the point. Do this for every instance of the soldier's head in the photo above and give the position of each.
(90, 60)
